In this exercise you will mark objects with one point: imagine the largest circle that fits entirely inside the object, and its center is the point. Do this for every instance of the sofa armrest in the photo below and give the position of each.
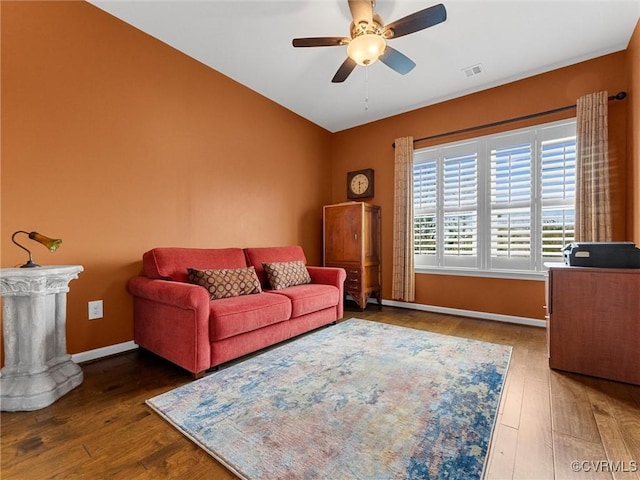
(171, 319)
(330, 276)
(177, 294)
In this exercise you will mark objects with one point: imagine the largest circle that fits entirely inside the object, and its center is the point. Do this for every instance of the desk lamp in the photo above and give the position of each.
(50, 243)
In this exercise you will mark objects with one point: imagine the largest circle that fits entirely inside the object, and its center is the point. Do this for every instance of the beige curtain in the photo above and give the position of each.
(403, 263)
(593, 208)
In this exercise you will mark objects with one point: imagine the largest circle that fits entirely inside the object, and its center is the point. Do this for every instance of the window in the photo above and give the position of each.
(502, 202)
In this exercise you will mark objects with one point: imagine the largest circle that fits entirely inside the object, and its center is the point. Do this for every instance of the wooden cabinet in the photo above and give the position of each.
(352, 241)
(593, 321)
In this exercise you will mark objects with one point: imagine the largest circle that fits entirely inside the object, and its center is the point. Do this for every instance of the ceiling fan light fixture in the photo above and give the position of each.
(369, 35)
(366, 49)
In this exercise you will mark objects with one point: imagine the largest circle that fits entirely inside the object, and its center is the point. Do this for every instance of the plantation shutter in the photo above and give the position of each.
(502, 202)
(558, 189)
(510, 201)
(460, 207)
(424, 209)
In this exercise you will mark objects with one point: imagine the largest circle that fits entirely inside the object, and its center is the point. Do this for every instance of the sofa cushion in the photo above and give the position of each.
(171, 263)
(226, 282)
(258, 255)
(235, 315)
(310, 298)
(286, 274)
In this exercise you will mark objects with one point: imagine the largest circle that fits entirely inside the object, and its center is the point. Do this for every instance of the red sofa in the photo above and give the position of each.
(178, 321)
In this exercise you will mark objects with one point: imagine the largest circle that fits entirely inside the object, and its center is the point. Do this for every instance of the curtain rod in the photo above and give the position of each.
(618, 96)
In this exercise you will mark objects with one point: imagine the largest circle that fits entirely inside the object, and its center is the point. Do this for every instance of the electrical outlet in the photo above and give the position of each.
(95, 309)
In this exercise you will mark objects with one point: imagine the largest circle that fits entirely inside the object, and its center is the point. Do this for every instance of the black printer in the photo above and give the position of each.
(602, 254)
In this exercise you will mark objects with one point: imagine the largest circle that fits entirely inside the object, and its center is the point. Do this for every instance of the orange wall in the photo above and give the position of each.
(117, 143)
(633, 53)
(370, 146)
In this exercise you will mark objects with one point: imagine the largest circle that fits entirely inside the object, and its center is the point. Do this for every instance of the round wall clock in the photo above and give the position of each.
(360, 183)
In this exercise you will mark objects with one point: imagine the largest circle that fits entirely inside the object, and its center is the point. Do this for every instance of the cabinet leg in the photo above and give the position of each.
(363, 301)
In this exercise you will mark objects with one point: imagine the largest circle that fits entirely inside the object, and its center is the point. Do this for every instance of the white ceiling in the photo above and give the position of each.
(250, 41)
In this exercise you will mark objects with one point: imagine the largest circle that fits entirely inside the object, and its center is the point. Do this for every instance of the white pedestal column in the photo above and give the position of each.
(37, 368)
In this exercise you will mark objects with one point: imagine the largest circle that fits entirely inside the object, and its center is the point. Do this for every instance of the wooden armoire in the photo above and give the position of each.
(351, 234)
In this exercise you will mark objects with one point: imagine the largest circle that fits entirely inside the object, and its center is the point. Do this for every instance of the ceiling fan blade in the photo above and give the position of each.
(397, 61)
(361, 11)
(320, 41)
(344, 71)
(416, 21)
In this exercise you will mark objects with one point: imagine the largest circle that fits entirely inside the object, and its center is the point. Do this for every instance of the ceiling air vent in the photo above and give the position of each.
(473, 70)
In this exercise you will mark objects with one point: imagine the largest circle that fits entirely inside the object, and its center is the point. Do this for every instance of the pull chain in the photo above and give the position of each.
(366, 88)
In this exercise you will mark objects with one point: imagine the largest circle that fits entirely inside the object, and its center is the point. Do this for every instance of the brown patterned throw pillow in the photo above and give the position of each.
(226, 282)
(286, 274)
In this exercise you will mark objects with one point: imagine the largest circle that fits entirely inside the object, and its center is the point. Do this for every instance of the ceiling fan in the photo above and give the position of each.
(369, 36)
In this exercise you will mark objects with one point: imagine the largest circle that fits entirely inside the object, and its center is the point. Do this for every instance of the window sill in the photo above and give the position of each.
(466, 272)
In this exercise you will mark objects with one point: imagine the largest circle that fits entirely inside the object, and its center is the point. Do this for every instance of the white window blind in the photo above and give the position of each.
(558, 195)
(424, 188)
(499, 202)
(460, 199)
(511, 190)
(445, 205)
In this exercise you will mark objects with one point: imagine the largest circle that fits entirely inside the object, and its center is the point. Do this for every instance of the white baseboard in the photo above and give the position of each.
(103, 352)
(534, 322)
(126, 346)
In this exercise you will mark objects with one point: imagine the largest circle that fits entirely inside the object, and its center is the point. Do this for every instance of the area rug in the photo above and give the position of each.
(357, 400)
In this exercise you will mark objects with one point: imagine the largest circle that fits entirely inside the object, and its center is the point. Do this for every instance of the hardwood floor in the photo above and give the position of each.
(546, 420)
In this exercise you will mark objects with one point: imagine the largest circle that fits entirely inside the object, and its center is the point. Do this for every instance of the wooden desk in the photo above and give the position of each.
(593, 321)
